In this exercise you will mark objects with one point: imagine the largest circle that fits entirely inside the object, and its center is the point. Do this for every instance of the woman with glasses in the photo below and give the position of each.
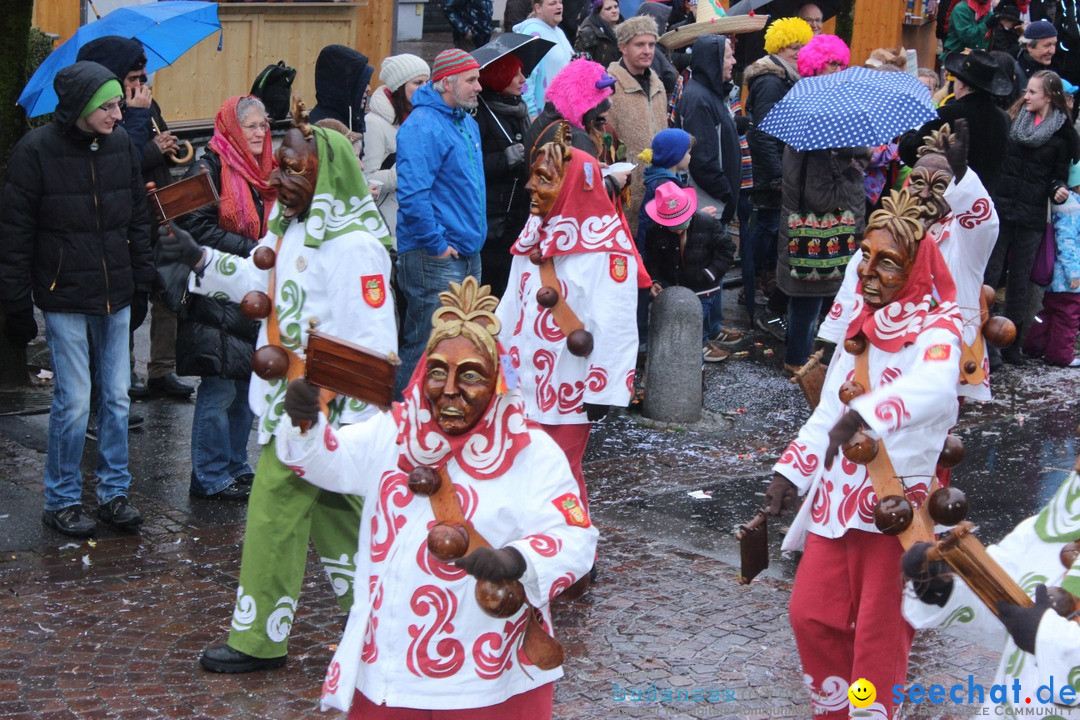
(215, 339)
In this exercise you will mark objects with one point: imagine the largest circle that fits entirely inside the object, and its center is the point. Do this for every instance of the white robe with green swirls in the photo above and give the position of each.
(1030, 554)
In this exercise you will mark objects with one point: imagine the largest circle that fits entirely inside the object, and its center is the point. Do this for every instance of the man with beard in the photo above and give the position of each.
(903, 341)
(442, 200)
(322, 264)
(456, 459)
(960, 218)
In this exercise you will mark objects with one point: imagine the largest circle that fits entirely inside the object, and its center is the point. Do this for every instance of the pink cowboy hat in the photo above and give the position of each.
(673, 205)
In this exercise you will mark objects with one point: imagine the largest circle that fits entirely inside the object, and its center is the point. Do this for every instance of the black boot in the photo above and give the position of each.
(223, 659)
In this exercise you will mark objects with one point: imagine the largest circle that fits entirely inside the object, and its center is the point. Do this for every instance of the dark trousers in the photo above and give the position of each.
(1010, 263)
(758, 250)
(802, 318)
(1053, 334)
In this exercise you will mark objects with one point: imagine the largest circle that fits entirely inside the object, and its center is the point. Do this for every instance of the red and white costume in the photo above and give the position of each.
(845, 606)
(416, 637)
(966, 237)
(599, 275)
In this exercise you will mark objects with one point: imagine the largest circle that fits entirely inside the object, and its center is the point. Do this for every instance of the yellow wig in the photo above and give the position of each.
(787, 31)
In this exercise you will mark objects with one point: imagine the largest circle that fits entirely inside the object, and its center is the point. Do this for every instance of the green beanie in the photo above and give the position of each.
(108, 91)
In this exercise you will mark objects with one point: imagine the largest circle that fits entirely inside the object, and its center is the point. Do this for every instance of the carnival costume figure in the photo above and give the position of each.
(458, 446)
(963, 222)
(897, 376)
(1041, 648)
(568, 315)
(322, 264)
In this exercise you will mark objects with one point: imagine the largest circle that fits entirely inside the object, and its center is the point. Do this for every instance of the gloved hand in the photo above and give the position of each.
(781, 495)
(841, 432)
(177, 245)
(595, 412)
(827, 349)
(20, 327)
(486, 563)
(1023, 622)
(957, 152)
(302, 401)
(515, 156)
(933, 581)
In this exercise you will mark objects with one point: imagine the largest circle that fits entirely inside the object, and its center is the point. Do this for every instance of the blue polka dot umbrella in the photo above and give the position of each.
(853, 107)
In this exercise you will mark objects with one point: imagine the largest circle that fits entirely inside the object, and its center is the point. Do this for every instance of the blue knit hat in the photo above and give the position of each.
(1039, 30)
(669, 147)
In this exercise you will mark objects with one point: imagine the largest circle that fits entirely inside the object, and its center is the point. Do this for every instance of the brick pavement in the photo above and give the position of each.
(119, 637)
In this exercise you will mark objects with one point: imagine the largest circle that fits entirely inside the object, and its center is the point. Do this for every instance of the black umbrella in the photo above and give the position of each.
(785, 8)
(530, 49)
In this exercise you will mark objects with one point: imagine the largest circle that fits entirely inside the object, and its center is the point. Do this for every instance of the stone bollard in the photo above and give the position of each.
(673, 366)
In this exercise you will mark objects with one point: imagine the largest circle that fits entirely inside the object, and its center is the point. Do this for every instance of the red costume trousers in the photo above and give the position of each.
(1053, 334)
(845, 611)
(572, 439)
(535, 704)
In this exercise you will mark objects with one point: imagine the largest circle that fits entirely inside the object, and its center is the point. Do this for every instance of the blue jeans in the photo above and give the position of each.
(712, 316)
(219, 434)
(802, 325)
(758, 250)
(66, 335)
(421, 278)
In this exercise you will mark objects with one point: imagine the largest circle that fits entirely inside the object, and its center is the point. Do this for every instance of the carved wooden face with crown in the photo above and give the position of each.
(549, 172)
(459, 383)
(296, 173)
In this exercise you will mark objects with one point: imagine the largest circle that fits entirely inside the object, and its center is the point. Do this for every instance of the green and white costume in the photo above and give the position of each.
(1030, 554)
(331, 269)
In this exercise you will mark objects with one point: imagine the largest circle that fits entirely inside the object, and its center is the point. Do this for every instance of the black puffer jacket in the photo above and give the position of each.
(1030, 176)
(213, 338)
(700, 265)
(716, 162)
(341, 79)
(76, 231)
(503, 121)
(767, 81)
(597, 38)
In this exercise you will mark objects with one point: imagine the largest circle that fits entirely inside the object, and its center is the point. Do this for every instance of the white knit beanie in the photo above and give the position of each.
(400, 69)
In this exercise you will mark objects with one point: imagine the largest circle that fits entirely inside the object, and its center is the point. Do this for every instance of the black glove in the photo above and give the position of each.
(957, 152)
(596, 412)
(486, 563)
(781, 495)
(20, 327)
(933, 581)
(515, 156)
(1023, 622)
(177, 245)
(302, 401)
(846, 427)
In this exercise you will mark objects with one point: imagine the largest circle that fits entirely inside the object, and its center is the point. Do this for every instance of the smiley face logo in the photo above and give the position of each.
(861, 693)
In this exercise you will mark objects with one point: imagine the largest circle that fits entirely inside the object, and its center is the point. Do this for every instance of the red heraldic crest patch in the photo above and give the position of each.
(572, 510)
(617, 267)
(374, 290)
(937, 352)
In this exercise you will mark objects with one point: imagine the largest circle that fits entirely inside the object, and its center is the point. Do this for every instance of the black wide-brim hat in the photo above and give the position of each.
(1004, 12)
(980, 70)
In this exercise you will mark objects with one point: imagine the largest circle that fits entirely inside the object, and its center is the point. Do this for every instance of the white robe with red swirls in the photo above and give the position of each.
(416, 637)
(601, 288)
(909, 406)
(966, 238)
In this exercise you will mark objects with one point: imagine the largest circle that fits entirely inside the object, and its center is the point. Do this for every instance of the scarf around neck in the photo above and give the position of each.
(928, 300)
(342, 202)
(980, 8)
(242, 172)
(1025, 132)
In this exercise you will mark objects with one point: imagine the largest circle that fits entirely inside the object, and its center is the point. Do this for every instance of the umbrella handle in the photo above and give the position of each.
(188, 156)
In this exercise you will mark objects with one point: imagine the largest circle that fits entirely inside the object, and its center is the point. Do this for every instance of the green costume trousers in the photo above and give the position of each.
(283, 511)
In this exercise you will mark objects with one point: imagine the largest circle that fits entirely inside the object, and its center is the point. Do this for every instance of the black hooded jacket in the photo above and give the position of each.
(341, 78)
(74, 213)
(716, 162)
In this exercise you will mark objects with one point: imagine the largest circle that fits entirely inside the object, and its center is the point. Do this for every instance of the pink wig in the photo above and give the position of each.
(819, 52)
(574, 90)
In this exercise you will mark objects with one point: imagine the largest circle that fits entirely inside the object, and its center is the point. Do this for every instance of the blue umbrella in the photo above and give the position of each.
(166, 30)
(857, 106)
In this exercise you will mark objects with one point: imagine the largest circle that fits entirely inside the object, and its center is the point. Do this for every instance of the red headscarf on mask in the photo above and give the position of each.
(242, 172)
(928, 300)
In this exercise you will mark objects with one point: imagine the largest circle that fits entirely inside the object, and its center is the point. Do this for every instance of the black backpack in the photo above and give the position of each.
(274, 87)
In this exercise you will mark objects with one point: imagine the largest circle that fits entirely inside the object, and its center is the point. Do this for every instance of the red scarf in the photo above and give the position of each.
(486, 452)
(979, 8)
(582, 219)
(928, 300)
(240, 173)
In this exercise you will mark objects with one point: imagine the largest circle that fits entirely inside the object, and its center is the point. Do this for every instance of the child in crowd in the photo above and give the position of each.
(1053, 334)
(691, 248)
(669, 161)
